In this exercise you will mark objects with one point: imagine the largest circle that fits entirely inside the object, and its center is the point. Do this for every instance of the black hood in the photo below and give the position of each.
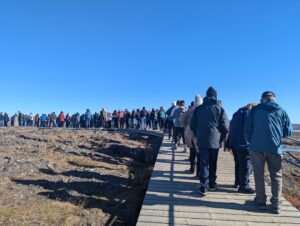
(210, 100)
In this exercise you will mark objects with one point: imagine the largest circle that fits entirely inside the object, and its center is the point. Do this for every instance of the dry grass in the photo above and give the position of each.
(52, 212)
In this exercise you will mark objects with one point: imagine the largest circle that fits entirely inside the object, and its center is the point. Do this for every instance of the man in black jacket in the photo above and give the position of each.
(210, 125)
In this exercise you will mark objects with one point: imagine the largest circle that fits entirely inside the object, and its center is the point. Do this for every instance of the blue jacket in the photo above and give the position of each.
(209, 123)
(88, 115)
(236, 139)
(266, 125)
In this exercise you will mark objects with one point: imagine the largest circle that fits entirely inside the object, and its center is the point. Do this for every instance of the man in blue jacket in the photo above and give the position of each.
(266, 125)
(210, 124)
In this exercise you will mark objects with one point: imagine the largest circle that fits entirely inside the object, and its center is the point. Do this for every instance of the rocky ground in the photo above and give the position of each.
(291, 173)
(73, 177)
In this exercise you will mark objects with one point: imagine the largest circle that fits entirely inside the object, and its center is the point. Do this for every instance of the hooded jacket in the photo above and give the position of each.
(266, 125)
(209, 124)
(236, 139)
(175, 116)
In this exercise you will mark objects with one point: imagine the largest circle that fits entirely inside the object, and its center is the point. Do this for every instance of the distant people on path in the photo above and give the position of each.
(190, 139)
(61, 119)
(1, 119)
(154, 119)
(209, 124)
(143, 118)
(169, 120)
(178, 125)
(266, 125)
(88, 118)
(240, 147)
(162, 116)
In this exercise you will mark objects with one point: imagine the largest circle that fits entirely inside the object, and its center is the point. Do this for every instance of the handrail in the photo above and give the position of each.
(293, 139)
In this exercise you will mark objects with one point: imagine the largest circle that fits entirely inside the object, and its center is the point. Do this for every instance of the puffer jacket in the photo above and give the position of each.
(209, 124)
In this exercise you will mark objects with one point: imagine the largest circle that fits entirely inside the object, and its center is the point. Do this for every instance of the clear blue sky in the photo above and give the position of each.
(76, 54)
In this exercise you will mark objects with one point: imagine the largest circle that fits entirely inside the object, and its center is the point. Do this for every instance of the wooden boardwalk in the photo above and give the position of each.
(173, 198)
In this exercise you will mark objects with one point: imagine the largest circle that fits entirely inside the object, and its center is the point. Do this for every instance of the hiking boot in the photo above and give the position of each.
(192, 170)
(246, 190)
(260, 205)
(213, 187)
(276, 210)
(202, 190)
(236, 185)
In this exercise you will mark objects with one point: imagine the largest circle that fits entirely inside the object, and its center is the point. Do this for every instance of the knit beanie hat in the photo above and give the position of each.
(211, 92)
(268, 93)
(198, 100)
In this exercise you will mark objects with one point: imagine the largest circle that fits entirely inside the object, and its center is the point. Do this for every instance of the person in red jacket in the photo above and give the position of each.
(61, 119)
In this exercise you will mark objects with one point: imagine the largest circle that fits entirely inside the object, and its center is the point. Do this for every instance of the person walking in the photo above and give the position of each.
(143, 118)
(61, 119)
(266, 125)
(240, 147)
(88, 118)
(169, 121)
(162, 118)
(209, 124)
(1, 119)
(178, 126)
(153, 119)
(190, 139)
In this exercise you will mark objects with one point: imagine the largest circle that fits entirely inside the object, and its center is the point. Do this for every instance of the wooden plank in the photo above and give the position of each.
(173, 198)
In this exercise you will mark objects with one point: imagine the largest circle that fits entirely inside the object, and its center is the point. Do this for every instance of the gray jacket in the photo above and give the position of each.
(175, 116)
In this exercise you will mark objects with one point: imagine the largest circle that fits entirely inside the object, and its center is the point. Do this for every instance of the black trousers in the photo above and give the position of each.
(207, 160)
(193, 158)
(236, 167)
(178, 134)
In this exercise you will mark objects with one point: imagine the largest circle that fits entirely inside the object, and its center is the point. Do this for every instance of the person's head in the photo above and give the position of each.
(198, 100)
(211, 92)
(144, 108)
(192, 104)
(250, 106)
(268, 96)
(181, 103)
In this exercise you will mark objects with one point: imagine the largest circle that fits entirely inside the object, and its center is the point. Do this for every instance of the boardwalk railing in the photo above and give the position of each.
(287, 148)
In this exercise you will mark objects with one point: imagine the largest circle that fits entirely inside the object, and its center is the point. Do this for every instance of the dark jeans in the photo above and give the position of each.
(208, 167)
(154, 124)
(122, 123)
(245, 168)
(87, 123)
(193, 156)
(178, 134)
(236, 167)
(127, 123)
(162, 124)
(116, 122)
(170, 128)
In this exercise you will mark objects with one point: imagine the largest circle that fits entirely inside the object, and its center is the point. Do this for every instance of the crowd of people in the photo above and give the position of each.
(254, 135)
(136, 119)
